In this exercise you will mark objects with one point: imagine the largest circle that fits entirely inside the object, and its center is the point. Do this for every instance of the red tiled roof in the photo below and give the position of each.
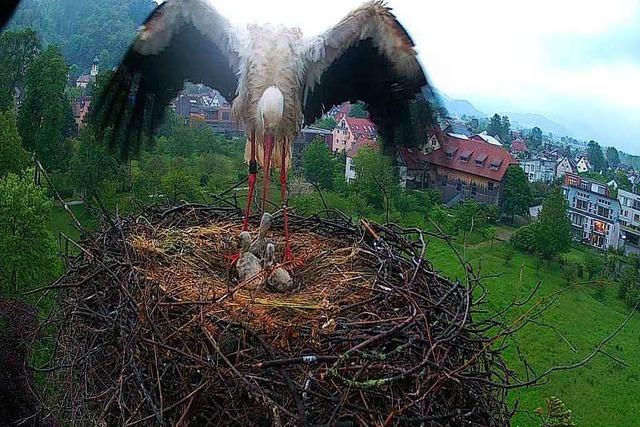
(359, 126)
(518, 146)
(484, 159)
(414, 159)
(362, 142)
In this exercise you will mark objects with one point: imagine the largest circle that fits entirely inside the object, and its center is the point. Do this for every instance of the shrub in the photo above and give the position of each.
(525, 238)
(569, 273)
(594, 264)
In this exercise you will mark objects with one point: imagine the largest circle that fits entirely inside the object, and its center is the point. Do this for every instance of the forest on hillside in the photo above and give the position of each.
(84, 29)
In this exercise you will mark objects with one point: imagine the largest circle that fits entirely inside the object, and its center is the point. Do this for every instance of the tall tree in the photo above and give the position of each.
(358, 110)
(505, 130)
(28, 253)
(375, 177)
(517, 196)
(19, 49)
(553, 231)
(495, 125)
(13, 158)
(596, 158)
(326, 122)
(42, 120)
(318, 165)
(535, 136)
(613, 157)
(91, 166)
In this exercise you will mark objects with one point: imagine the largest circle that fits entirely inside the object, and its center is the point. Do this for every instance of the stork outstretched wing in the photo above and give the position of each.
(182, 40)
(369, 57)
(7, 8)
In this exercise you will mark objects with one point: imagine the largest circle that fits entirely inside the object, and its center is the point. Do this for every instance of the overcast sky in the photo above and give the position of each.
(575, 61)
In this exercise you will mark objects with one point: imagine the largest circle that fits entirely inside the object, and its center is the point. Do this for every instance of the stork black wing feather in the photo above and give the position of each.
(133, 104)
(396, 105)
(7, 9)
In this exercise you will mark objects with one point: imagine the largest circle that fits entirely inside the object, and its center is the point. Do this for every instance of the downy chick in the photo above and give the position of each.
(248, 264)
(279, 280)
(259, 247)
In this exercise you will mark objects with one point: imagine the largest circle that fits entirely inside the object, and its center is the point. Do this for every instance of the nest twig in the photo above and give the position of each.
(154, 329)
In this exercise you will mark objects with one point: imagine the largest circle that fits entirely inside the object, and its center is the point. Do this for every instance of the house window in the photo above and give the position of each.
(445, 181)
(225, 116)
(491, 186)
(603, 212)
(459, 186)
(474, 189)
(582, 205)
(600, 227)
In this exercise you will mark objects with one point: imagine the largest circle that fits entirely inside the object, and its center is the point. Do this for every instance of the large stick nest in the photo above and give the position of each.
(154, 329)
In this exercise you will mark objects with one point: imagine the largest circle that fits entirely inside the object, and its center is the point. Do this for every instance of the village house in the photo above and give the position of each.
(539, 169)
(306, 137)
(594, 213)
(351, 129)
(340, 111)
(360, 143)
(211, 108)
(413, 167)
(461, 169)
(630, 219)
(485, 137)
(518, 149)
(86, 79)
(565, 165)
(583, 165)
(457, 129)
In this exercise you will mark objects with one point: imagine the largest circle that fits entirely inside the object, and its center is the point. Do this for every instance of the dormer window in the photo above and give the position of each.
(465, 156)
(481, 159)
(495, 165)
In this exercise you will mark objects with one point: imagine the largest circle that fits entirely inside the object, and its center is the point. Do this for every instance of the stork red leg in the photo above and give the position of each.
(288, 255)
(266, 173)
(253, 172)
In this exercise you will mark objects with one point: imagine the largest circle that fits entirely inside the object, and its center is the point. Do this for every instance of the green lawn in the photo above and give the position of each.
(604, 392)
(61, 223)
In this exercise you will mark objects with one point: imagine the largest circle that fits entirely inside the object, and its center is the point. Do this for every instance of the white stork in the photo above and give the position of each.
(278, 80)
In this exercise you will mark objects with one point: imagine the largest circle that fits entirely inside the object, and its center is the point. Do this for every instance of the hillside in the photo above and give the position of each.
(529, 120)
(459, 107)
(84, 29)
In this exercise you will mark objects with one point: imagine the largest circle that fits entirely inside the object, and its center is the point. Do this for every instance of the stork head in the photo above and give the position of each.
(271, 108)
(269, 256)
(244, 241)
(265, 224)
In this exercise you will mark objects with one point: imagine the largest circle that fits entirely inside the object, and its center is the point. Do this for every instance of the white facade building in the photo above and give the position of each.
(539, 169)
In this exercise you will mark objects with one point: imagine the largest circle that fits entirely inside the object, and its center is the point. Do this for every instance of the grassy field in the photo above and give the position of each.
(602, 393)
(61, 223)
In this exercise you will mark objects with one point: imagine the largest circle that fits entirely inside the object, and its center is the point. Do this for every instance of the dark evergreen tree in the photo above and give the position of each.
(553, 231)
(596, 158)
(517, 196)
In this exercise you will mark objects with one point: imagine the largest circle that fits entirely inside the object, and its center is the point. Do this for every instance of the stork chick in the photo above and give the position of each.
(259, 246)
(279, 279)
(248, 264)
